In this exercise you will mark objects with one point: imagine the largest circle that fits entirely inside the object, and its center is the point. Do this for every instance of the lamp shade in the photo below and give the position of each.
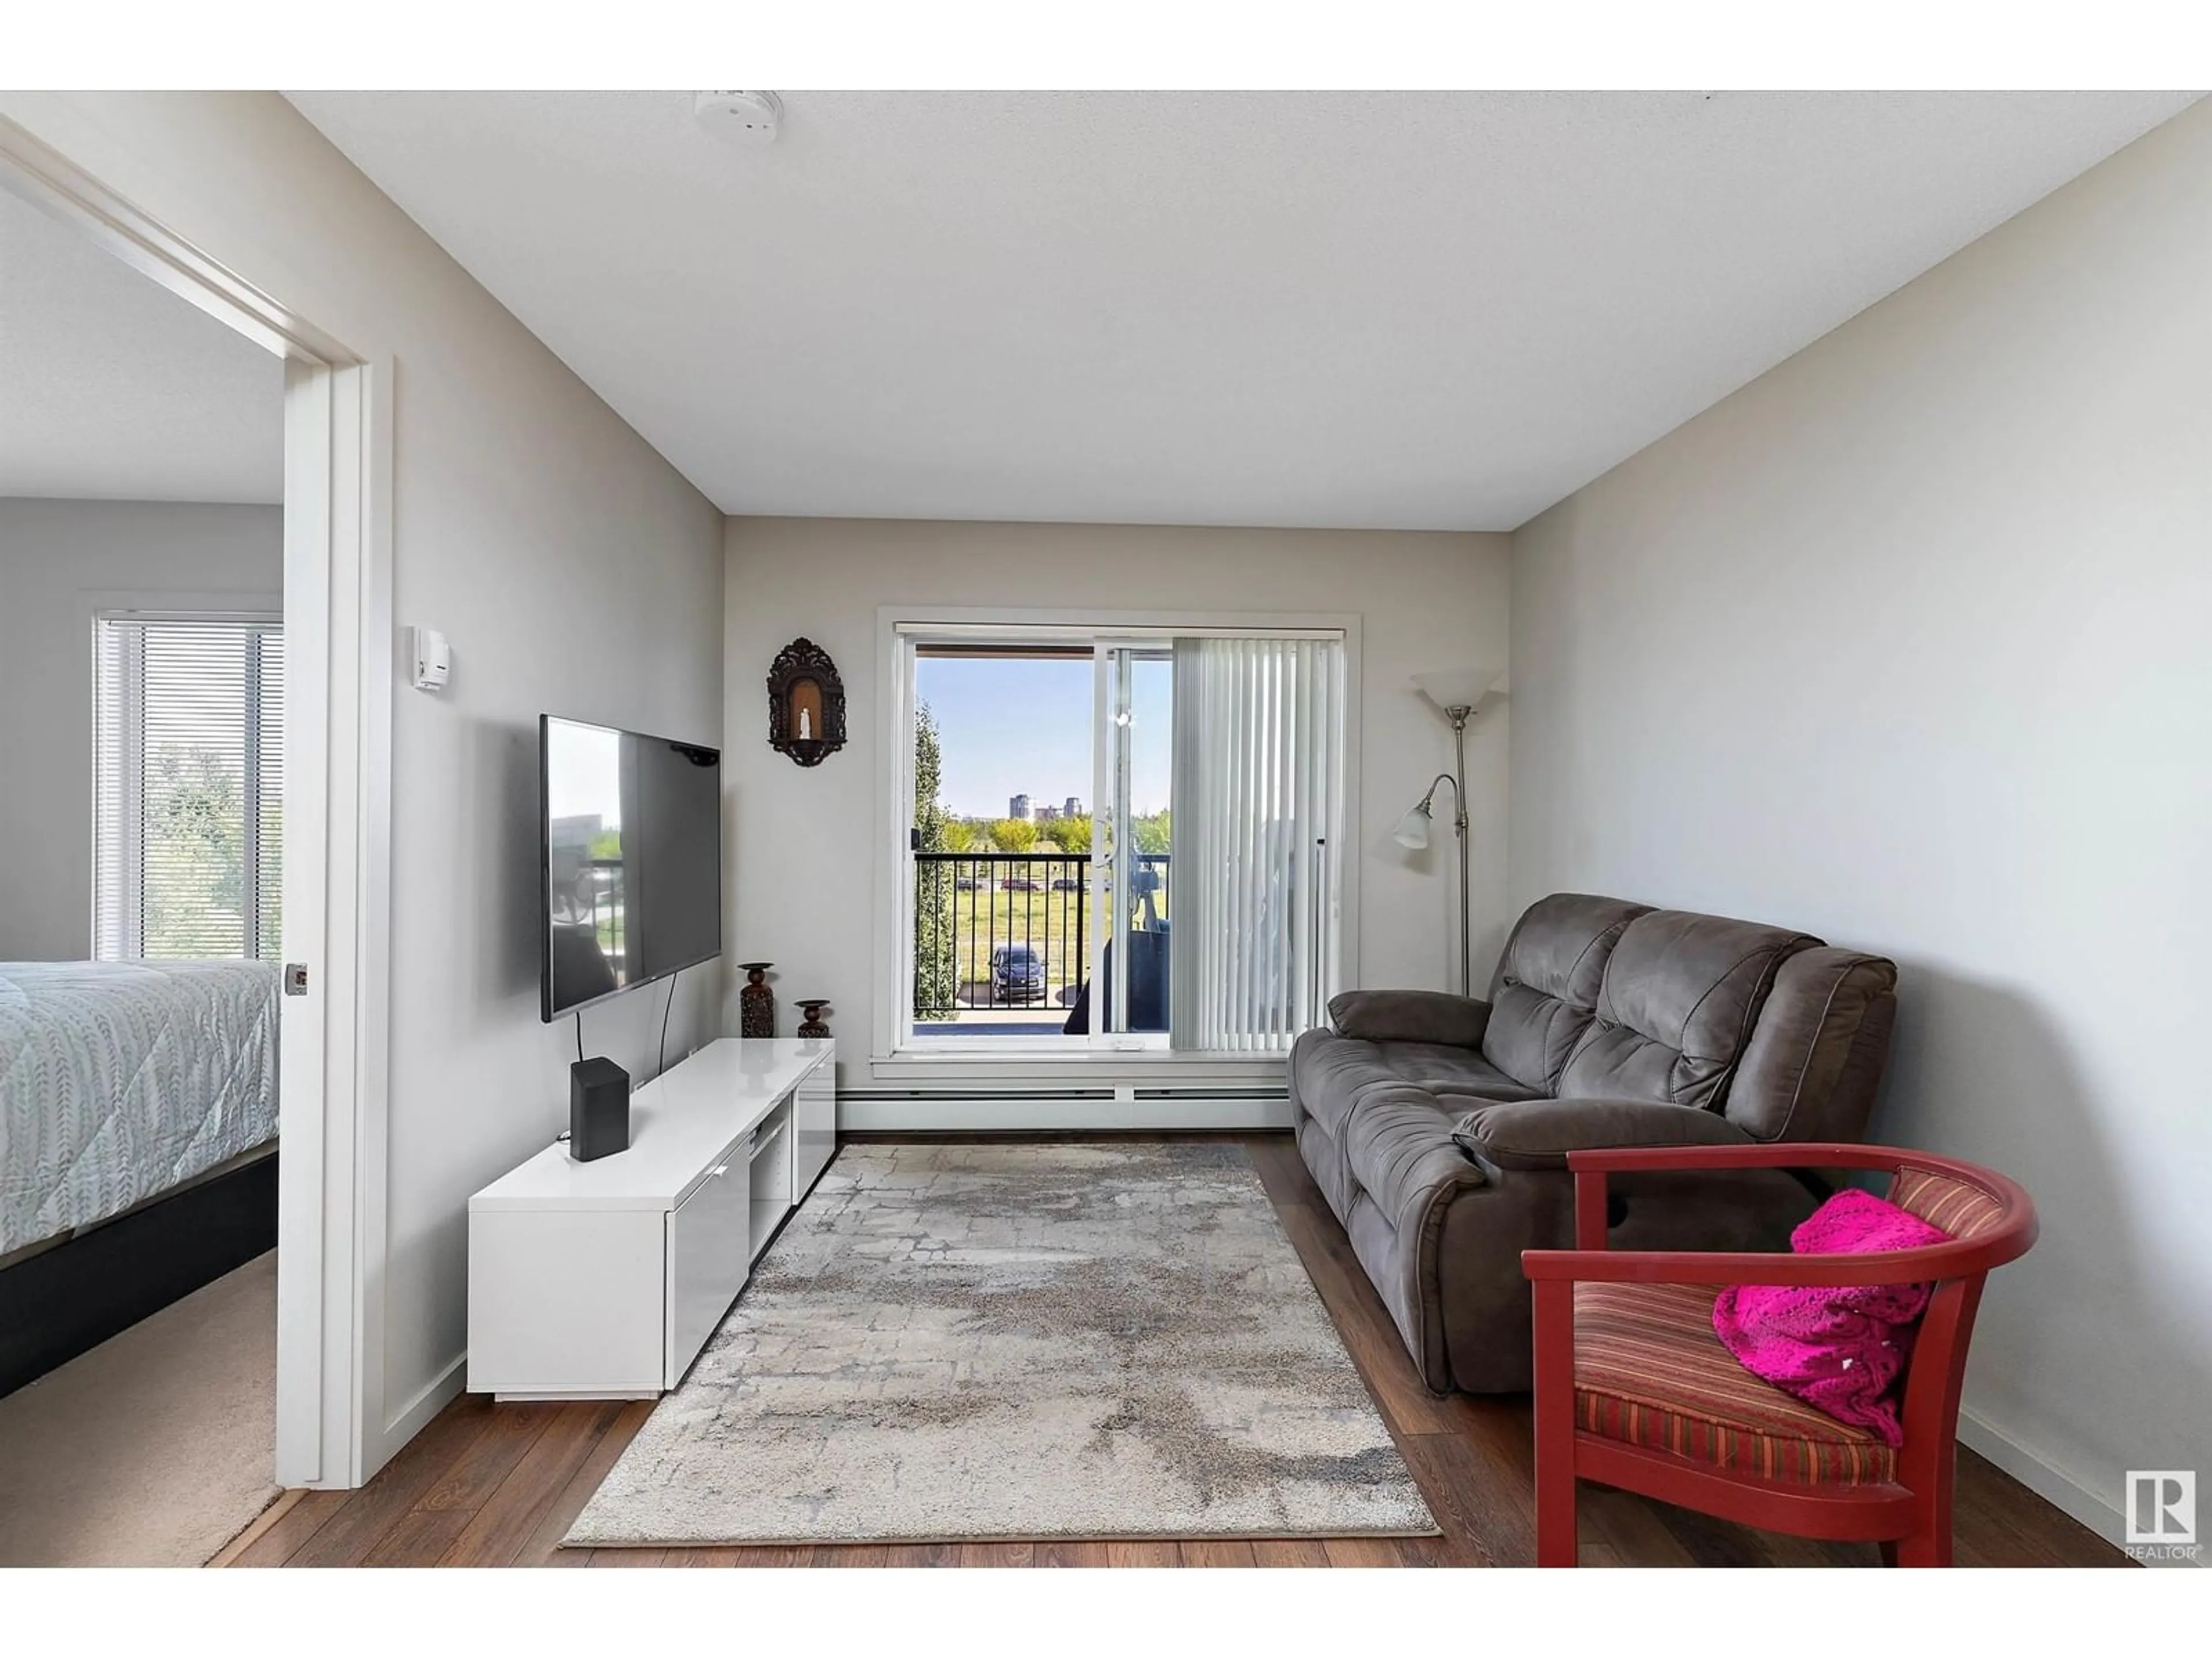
(1456, 688)
(1413, 830)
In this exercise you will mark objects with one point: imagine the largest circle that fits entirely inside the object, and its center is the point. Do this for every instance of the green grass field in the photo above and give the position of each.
(1056, 925)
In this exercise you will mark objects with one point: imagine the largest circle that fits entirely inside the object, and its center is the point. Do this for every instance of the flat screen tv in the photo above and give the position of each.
(629, 859)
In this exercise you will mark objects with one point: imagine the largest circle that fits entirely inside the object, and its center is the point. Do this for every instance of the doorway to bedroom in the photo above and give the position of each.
(141, 736)
(184, 536)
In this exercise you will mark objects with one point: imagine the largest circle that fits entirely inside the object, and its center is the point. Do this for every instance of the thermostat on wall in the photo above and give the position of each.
(433, 662)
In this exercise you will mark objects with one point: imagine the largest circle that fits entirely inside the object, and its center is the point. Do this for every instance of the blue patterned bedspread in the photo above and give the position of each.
(120, 1079)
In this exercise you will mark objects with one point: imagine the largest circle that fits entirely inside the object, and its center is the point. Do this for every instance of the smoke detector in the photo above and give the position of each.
(743, 117)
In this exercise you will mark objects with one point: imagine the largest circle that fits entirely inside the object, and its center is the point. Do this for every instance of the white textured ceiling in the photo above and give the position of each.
(1420, 311)
(112, 388)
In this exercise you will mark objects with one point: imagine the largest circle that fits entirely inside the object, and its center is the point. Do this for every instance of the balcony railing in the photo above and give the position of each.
(1008, 934)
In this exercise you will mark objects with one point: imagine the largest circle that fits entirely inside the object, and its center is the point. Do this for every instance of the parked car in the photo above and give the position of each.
(1019, 885)
(1066, 884)
(1017, 973)
(964, 883)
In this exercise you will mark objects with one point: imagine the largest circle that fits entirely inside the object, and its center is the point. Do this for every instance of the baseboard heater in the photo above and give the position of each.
(1104, 1109)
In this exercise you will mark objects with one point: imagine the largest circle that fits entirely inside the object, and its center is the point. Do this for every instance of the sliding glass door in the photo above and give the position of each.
(1258, 764)
(1131, 861)
(1192, 906)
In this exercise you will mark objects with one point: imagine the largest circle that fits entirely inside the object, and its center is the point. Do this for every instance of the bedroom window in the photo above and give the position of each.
(188, 786)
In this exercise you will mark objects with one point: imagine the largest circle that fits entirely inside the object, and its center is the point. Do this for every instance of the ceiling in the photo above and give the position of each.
(112, 388)
(1413, 310)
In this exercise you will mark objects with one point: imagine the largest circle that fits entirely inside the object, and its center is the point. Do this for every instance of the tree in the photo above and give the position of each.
(1073, 834)
(1152, 832)
(936, 971)
(196, 837)
(1014, 834)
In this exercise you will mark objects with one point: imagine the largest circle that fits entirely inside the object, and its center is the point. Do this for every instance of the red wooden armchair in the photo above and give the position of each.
(1634, 1389)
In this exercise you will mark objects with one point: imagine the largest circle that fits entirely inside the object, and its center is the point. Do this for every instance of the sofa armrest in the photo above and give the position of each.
(1410, 1017)
(1538, 1134)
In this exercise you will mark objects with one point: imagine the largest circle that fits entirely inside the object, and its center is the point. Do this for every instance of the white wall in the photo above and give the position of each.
(572, 568)
(60, 563)
(802, 890)
(1905, 644)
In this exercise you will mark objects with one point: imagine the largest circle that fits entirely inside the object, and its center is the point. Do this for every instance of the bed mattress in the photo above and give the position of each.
(120, 1079)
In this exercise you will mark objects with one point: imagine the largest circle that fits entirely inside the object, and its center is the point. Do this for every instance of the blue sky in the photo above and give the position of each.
(1014, 727)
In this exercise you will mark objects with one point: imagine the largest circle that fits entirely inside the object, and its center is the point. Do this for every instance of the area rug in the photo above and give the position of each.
(1017, 1342)
(156, 1448)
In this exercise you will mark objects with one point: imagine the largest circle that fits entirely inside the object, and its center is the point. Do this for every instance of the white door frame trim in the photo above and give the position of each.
(332, 1427)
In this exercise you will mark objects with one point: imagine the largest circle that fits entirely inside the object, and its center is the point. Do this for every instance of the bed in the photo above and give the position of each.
(137, 1128)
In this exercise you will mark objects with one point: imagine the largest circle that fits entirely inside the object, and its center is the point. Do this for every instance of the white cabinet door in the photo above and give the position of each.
(566, 1305)
(709, 1256)
(814, 1115)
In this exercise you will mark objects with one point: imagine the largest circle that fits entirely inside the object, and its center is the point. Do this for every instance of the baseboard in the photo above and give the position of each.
(889, 1113)
(2062, 1491)
(415, 1416)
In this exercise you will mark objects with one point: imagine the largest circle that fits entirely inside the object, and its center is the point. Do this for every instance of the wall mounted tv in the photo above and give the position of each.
(629, 859)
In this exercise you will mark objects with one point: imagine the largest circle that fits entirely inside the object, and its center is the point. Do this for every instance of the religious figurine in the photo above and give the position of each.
(806, 703)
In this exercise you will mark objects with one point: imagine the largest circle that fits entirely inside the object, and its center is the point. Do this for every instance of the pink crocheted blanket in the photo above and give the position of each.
(1840, 1348)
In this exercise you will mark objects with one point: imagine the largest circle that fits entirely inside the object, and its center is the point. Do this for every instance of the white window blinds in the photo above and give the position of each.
(1259, 761)
(188, 771)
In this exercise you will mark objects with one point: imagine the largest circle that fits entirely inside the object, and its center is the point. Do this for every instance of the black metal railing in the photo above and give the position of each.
(1011, 932)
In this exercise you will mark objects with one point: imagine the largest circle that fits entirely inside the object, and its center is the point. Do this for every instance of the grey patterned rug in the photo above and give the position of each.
(1017, 1342)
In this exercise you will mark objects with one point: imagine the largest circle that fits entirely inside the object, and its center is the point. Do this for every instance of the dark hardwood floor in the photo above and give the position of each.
(496, 1485)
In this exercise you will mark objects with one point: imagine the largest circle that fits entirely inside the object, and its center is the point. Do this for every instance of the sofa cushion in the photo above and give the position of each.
(1547, 984)
(1329, 1073)
(1399, 1147)
(1427, 1016)
(1650, 1371)
(1539, 1135)
(1681, 996)
(1325, 1159)
(1445, 1070)
(1812, 1066)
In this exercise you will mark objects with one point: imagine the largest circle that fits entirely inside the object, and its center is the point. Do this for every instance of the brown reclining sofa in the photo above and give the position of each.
(1437, 1126)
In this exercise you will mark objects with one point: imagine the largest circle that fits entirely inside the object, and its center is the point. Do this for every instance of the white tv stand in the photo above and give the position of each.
(604, 1280)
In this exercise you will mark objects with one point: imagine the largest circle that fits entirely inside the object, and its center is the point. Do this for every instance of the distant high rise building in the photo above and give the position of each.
(1018, 807)
(1073, 809)
(1047, 814)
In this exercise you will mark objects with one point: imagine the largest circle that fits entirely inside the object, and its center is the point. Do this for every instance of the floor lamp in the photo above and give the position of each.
(1455, 692)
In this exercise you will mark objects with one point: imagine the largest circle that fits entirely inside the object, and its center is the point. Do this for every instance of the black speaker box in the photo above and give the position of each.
(598, 1108)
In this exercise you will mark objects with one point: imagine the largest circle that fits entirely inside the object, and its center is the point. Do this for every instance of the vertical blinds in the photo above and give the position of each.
(1259, 753)
(188, 772)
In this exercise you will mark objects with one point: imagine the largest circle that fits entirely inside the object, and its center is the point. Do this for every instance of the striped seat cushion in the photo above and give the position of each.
(1650, 1371)
(1960, 1208)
